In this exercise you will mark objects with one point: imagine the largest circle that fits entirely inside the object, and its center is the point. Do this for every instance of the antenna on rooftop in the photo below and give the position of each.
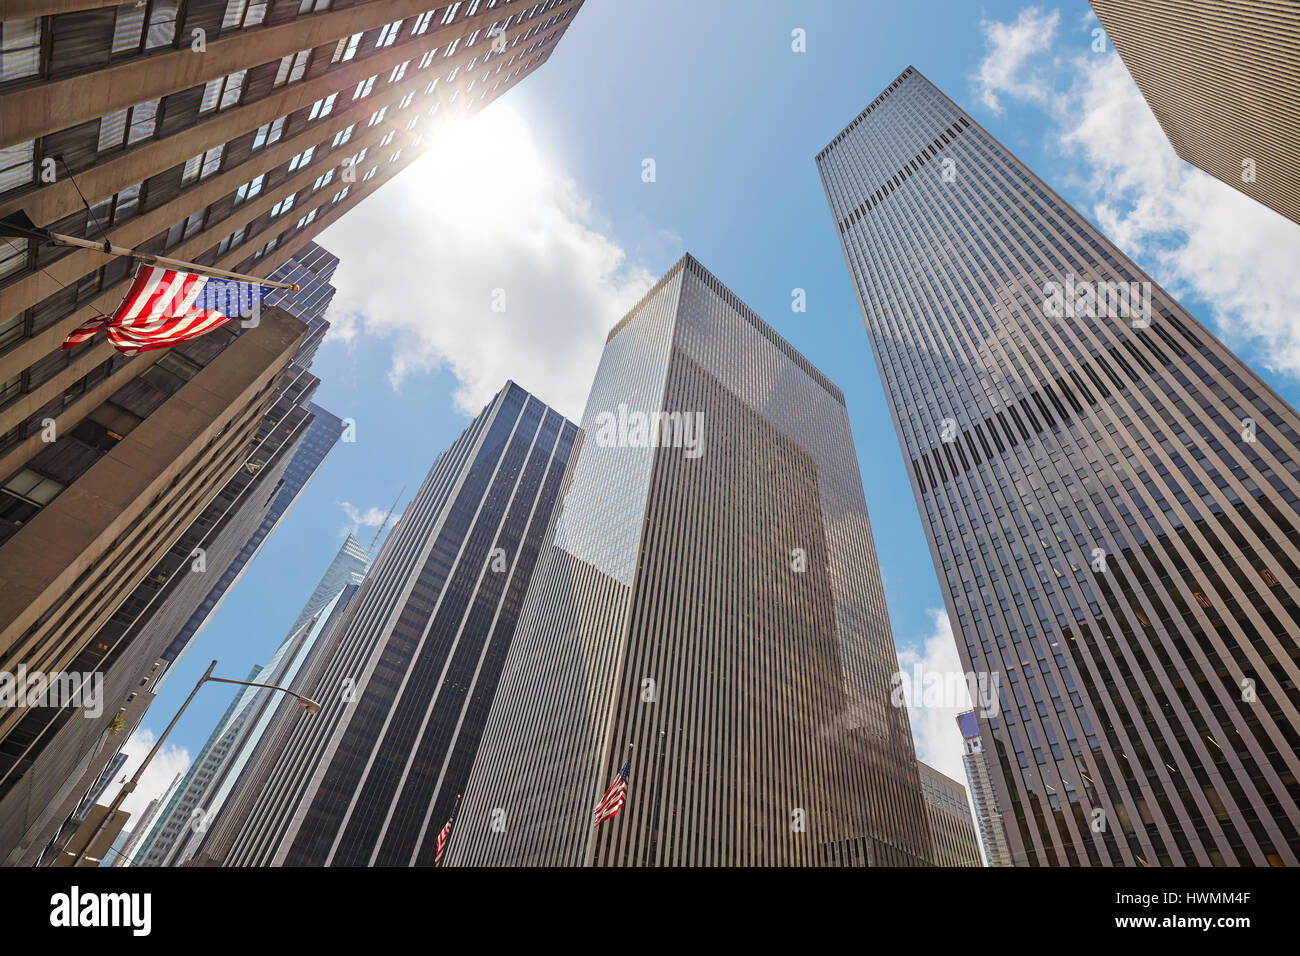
(384, 524)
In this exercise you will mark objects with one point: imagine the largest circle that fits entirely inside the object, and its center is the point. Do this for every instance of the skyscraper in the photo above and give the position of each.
(212, 775)
(276, 485)
(348, 567)
(988, 819)
(261, 753)
(413, 665)
(229, 133)
(1224, 84)
(706, 609)
(1110, 497)
(952, 834)
(157, 620)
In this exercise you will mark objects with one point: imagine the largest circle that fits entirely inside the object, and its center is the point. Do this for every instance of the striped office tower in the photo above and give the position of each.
(1110, 497)
(413, 665)
(707, 609)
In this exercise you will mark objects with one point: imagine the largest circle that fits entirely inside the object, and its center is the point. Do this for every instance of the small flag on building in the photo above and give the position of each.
(442, 840)
(612, 801)
(166, 307)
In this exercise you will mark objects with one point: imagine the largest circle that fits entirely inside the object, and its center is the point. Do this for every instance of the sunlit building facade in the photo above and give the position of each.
(708, 610)
(1110, 497)
(1223, 82)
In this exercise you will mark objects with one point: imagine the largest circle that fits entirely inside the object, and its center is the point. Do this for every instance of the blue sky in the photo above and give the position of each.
(542, 196)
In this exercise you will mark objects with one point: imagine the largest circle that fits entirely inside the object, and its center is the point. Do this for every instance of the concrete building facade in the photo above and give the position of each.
(953, 839)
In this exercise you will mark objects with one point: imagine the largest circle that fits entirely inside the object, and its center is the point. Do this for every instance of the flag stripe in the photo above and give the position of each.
(442, 841)
(165, 307)
(613, 799)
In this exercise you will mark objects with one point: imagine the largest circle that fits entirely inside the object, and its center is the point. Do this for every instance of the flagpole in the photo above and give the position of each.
(18, 225)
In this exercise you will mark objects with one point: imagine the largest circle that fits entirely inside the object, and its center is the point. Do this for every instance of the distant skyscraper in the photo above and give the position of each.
(214, 771)
(261, 754)
(414, 664)
(311, 269)
(144, 825)
(988, 820)
(707, 608)
(348, 567)
(1223, 81)
(952, 833)
(1110, 497)
(212, 775)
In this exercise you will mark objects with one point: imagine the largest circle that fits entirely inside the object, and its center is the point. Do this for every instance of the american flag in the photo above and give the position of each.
(166, 307)
(442, 840)
(612, 801)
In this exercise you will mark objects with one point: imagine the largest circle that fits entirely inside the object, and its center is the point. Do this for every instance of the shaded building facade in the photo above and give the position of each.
(158, 619)
(413, 664)
(953, 840)
(1110, 497)
(707, 609)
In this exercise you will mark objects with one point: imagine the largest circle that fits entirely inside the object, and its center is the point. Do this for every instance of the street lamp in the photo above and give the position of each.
(309, 705)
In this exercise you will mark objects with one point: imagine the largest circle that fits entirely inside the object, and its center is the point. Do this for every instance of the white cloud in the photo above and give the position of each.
(484, 218)
(940, 676)
(371, 517)
(166, 764)
(1194, 234)
(1011, 50)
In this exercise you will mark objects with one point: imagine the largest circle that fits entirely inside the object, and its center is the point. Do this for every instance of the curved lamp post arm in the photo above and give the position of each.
(309, 705)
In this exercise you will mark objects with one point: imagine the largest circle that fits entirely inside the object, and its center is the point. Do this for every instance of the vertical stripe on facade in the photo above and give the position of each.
(667, 628)
(1148, 712)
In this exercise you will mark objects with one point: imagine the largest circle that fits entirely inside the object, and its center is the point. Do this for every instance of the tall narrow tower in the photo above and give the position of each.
(706, 609)
(1110, 497)
(411, 668)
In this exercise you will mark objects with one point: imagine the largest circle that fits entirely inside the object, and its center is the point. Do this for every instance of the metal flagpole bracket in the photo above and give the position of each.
(19, 225)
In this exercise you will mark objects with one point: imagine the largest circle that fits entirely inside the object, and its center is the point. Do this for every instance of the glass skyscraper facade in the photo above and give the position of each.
(211, 778)
(707, 609)
(1110, 497)
(988, 819)
(414, 664)
(348, 567)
